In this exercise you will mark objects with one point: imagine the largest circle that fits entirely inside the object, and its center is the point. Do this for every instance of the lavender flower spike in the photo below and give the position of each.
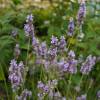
(28, 27)
(82, 97)
(71, 27)
(54, 41)
(73, 66)
(81, 13)
(88, 65)
(98, 94)
(16, 74)
(62, 43)
(71, 54)
(29, 18)
(43, 49)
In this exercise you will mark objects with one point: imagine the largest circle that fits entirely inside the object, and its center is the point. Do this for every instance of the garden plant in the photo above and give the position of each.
(51, 68)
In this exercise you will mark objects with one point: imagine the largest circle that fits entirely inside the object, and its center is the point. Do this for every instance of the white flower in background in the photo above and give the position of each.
(80, 36)
(64, 98)
(77, 88)
(60, 0)
(72, 0)
(54, 14)
(81, 1)
(60, 7)
(64, 17)
(46, 22)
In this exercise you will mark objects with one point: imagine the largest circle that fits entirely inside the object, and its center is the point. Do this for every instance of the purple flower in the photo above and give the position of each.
(29, 18)
(66, 67)
(82, 97)
(52, 53)
(81, 13)
(98, 94)
(28, 27)
(43, 49)
(71, 27)
(16, 72)
(54, 41)
(46, 64)
(13, 65)
(62, 43)
(15, 81)
(40, 85)
(14, 32)
(43, 89)
(35, 42)
(71, 54)
(69, 66)
(88, 65)
(46, 89)
(73, 66)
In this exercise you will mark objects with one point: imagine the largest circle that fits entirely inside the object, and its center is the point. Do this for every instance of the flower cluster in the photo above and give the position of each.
(56, 56)
(82, 97)
(49, 89)
(28, 27)
(69, 65)
(88, 65)
(16, 72)
(54, 41)
(42, 49)
(98, 94)
(25, 93)
(45, 55)
(71, 27)
(46, 88)
(81, 13)
(62, 44)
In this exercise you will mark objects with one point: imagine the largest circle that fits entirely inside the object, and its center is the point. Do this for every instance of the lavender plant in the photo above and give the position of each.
(16, 74)
(57, 61)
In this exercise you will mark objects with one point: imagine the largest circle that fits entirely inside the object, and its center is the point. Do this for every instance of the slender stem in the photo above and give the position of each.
(69, 83)
(81, 79)
(4, 81)
(25, 72)
(28, 52)
(90, 84)
(69, 42)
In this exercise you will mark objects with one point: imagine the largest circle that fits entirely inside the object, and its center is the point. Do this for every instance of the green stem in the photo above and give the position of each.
(69, 83)
(90, 84)
(81, 80)
(28, 52)
(4, 81)
(25, 72)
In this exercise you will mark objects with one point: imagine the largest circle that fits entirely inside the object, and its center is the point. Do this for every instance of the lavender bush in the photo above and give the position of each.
(57, 63)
